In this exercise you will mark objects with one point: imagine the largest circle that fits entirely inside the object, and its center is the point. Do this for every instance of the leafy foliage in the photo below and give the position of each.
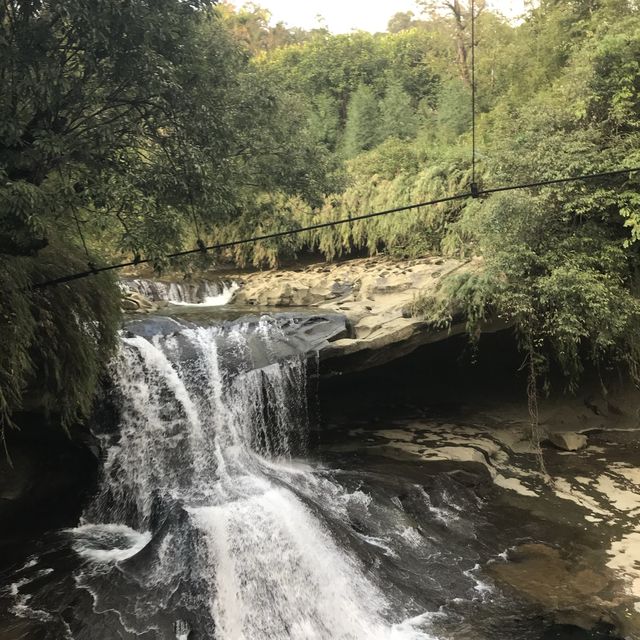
(560, 264)
(568, 289)
(125, 128)
(142, 127)
(361, 131)
(558, 95)
(398, 118)
(55, 341)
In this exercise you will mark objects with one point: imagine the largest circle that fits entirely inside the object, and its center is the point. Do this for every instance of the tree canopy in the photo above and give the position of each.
(131, 127)
(558, 95)
(126, 128)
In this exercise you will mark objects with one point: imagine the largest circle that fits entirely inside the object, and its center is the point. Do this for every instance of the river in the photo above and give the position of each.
(226, 511)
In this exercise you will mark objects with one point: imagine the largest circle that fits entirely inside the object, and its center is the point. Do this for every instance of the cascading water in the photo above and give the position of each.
(201, 481)
(212, 522)
(204, 293)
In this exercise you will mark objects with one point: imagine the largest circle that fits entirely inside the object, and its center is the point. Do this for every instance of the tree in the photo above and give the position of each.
(459, 13)
(324, 120)
(362, 130)
(560, 263)
(412, 61)
(93, 100)
(250, 25)
(123, 125)
(401, 21)
(398, 118)
(90, 100)
(453, 116)
(332, 65)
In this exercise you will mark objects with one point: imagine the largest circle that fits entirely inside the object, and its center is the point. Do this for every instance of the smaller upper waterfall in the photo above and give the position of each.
(211, 294)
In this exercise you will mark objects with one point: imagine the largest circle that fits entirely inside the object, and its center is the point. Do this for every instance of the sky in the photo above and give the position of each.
(341, 16)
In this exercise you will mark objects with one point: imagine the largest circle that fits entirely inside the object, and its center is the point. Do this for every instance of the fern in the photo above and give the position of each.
(54, 341)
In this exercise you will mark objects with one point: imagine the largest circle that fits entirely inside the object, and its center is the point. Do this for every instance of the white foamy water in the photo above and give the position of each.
(22, 601)
(205, 459)
(205, 294)
(218, 300)
(108, 542)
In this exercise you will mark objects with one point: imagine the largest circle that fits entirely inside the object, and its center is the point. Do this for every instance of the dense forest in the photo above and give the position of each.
(136, 128)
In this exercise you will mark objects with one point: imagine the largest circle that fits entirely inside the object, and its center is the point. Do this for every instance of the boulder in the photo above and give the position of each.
(568, 440)
(579, 593)
(134, 301)
(143, 302)
(128, 304)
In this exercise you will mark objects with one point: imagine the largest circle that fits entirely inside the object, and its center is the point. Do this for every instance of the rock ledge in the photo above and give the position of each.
(376, 296)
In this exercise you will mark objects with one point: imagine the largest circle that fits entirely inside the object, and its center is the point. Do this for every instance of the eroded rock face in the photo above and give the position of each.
(46, 480)
(375, 294)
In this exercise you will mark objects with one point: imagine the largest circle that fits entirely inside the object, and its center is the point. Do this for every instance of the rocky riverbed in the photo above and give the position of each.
(374, 295)
(574, 549)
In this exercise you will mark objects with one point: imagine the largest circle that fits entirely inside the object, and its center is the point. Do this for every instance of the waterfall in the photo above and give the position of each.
(205, 508)
(216, 520)
(205, 293)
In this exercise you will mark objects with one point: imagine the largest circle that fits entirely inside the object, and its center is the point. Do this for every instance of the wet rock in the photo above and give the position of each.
(574, 593)
(568, 441)
(128, 304)
(299, 333)
(45, 482)
(135, 301)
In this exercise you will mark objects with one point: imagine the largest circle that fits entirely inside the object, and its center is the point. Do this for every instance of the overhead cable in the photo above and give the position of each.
(473, 193)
